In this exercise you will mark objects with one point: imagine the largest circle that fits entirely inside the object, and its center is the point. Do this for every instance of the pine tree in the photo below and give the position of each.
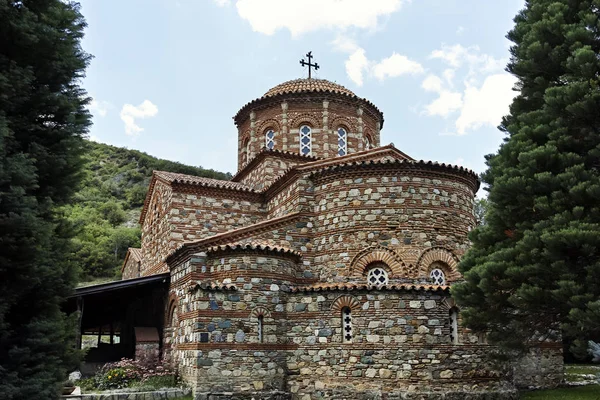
(534, 267)
(42, 121)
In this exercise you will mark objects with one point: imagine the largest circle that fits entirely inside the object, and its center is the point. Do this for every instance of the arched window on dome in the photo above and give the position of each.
(245, 150)
(368, 143)
(270, 139)
(342, 142)
(347, 333)
(305, 140)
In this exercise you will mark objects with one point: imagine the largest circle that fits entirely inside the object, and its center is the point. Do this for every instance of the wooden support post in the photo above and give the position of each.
(112, 333)
(79, 322)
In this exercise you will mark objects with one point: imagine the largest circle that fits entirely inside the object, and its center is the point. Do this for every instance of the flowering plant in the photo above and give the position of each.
(123, 373)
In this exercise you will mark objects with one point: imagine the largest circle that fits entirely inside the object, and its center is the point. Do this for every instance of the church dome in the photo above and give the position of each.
(308, 86)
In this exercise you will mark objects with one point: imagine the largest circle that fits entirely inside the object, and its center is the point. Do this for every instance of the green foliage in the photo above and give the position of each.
(42, 121)
(534, 267)
(114, 378)
(107, 206)
(129, 373)
(481, 206)
(589, 392)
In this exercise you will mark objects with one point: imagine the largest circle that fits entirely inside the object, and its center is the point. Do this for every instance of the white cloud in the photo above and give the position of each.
(486, 94)
(445, 104)
(99, 108)
(355, 65)
(486, 105)
(449, 76)
(432, 83)
(222, 3)
(460, 30)
(268, 16)
(396, 65)
(130, 113)
(457, 55)
(344, 44)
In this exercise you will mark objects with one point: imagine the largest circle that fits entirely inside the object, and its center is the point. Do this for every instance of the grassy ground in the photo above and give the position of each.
(573, 373)
(589, 392)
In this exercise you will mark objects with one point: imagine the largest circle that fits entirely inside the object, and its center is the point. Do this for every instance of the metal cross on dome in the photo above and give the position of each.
(304, 63)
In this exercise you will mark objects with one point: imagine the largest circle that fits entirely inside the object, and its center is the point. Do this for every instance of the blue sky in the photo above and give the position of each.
(168, 75)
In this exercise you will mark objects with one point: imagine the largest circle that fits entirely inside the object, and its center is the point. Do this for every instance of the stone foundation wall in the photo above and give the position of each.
(543, 367)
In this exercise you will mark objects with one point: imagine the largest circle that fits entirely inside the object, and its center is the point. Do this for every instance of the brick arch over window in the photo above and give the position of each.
(306, 119)
(375, 254)
(258, 311)
(269, 124)
(171, 311)
(345, 301)
(342, 122)
(448, 303)
(442, 257)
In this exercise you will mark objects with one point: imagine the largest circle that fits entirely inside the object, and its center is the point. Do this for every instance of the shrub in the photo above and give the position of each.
(129, 372)
(114, 378)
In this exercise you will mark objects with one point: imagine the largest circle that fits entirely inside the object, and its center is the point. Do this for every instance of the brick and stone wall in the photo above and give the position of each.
(267, 171)
(156, 240)
(131, 268)
(196, 216)
(542, 367)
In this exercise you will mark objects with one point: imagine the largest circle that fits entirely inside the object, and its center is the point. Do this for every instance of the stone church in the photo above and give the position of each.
(322, 268)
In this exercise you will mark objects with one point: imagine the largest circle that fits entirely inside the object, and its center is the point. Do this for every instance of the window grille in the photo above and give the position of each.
(347, 324)
(260, 328)
(377, 277)
(305, 140)
(453, 315)
(342, 142)
(270, 139)
(437, 277)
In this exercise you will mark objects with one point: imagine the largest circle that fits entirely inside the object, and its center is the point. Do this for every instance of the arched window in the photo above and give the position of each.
(342, 142)
(377, 276)
(453, 319)
(437, 277)
(368, 143)
(270, 139)
(245, 150)
(259, 327)
(305, 140)
(347, 325)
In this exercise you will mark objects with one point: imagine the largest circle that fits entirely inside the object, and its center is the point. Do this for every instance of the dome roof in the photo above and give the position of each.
(308, 85)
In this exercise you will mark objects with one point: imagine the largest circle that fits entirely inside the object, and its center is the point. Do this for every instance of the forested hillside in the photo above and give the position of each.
(107, 206)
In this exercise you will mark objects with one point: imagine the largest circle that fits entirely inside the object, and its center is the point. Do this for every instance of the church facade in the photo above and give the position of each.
(322, 268)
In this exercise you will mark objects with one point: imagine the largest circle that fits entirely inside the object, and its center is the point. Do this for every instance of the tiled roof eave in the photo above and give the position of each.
(265, 101)
(363, 286)
(186, 248)
(262, 247)
(469, 175)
